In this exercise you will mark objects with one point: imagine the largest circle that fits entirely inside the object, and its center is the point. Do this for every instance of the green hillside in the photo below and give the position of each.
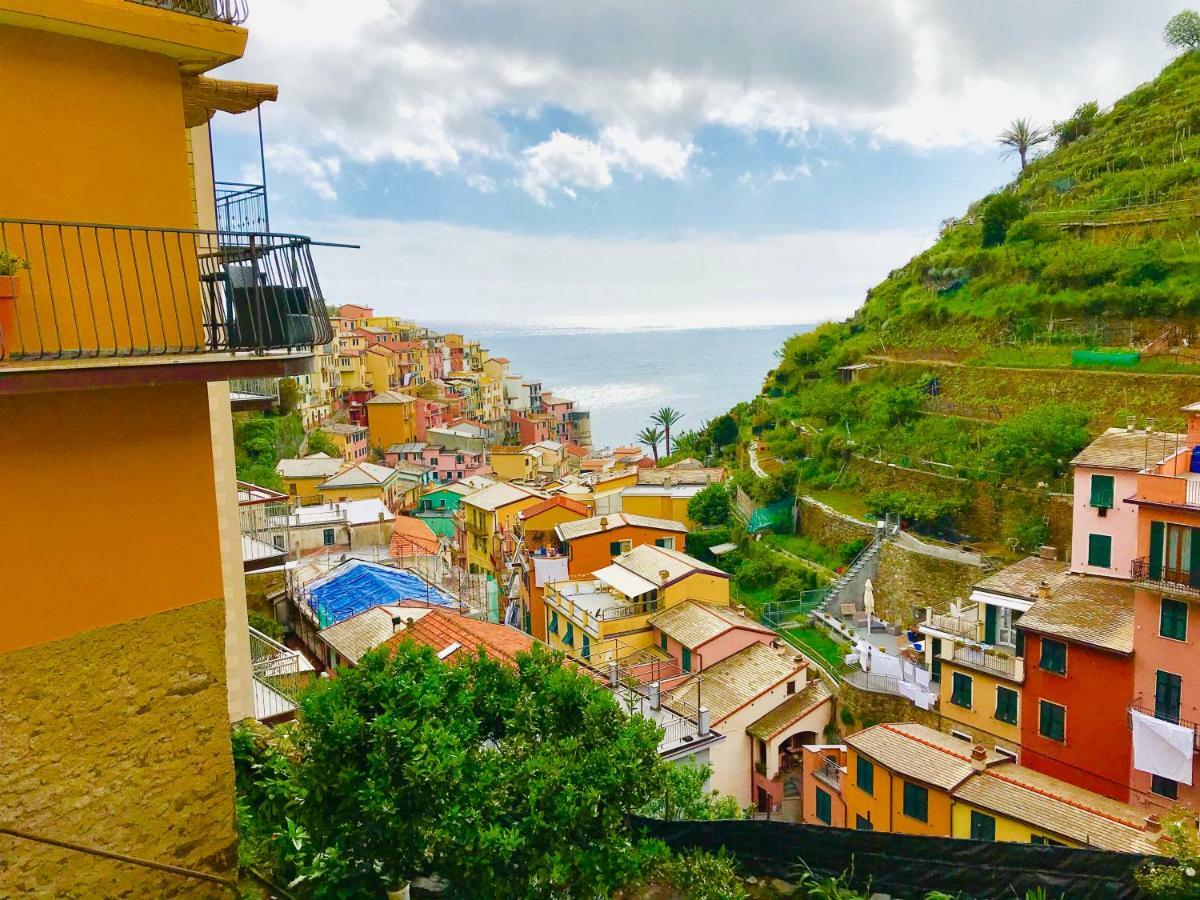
(979, 386)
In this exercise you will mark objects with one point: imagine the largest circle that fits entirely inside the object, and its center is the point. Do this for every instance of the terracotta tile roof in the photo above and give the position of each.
(390, 397)
(1085, 609)
(684, 475)
(729, 685)
(649, 560)
(693, 622)
(1118, 448)
(1023, 578)
(569, 531)
(556, 501)
(919, 753)
(441, 630)
(412, 535)
(790, 710)
(1059, 808)
(343, 429)
(323, 467)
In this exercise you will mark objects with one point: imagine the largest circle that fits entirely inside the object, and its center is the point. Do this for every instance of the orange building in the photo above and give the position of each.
(123, 661)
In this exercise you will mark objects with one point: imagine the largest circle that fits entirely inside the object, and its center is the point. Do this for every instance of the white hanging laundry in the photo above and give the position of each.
(1162, 748)
(885, 664)
(549, 568)
(850, 659)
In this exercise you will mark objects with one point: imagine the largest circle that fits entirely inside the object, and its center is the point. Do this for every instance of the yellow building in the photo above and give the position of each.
(392, 419)
(366, 481)
(123, 662)
(383, 371)
(302, 477)
(660, 501)
(352, 369)
(351, 440)
(606, 616)
(981, 692)
(513, 464)
(490, 517)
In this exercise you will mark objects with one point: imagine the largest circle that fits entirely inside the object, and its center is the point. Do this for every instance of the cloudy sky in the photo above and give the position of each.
(652, 162)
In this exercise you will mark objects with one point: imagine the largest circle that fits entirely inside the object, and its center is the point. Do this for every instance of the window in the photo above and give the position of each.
(327, 537)
(960, 690)
(664, 640)
(1053, 657)
(587, 645)
(553, 626)
(916, 802)
(569, 636)
(791, 688)
(1052, 721)
(667, 543)
(1042, 841)
(686, 660)
(616, 548)
(865, 776)
(824, 806)
(1099, 551)
(863, 824)
(1167, 691)
(1006, 705)
(983, 827)
(1164, 787)
(1172, 619)
(1102, 492)
(292, 489)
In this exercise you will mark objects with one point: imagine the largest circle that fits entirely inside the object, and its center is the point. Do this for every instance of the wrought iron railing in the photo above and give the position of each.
(86, 291)
(279, 675)
(255, 387)
(231, 12)
(1184, 580)
(961, 626)
(241, 208)
(999, 664)
(778, 613)
(676, 730)
(1173, 719)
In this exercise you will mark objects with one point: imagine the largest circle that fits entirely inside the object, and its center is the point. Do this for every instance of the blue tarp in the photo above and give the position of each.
(359, 585)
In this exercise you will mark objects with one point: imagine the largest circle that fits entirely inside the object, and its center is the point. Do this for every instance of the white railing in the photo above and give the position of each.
(676, 730)
(279, 675)
(1193, 492)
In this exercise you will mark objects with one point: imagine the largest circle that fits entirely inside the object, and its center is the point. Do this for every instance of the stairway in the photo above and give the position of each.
(850, 582)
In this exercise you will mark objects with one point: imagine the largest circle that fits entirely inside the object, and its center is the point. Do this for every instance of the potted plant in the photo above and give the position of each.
(10, 286)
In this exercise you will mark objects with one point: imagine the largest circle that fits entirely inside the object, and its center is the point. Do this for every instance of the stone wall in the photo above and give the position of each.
(261, 586)
(908, 581)
(118, 738)
(869, 708)
(827, 526)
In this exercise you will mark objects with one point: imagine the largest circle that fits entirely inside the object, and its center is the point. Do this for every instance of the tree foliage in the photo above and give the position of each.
(1020, 137)
(506, 781)
(320, 442)
(289, 396)
(1179, 878)
(1183, 31)
(1038, 444)
(1001, 211)
(710, 506)
(260, 441)
(1080, 124)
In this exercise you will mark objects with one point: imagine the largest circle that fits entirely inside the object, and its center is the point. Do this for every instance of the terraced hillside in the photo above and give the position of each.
(1062, 305)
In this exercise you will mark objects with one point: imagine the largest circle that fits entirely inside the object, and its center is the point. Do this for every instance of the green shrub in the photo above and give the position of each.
(999, 213)
(266, 624)
(710, 506)
(757, 572)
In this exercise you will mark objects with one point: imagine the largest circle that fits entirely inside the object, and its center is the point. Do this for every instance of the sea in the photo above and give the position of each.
(623, 376)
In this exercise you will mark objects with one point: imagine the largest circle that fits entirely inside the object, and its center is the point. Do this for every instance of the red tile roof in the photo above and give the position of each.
(411, 535)
(439, 630)
(557, 500)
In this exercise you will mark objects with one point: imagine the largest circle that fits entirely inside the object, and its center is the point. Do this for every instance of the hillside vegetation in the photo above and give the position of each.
(978, 382)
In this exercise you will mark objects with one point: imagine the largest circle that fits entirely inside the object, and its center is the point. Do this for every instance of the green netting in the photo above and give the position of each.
(772, 515)
(1105, 357)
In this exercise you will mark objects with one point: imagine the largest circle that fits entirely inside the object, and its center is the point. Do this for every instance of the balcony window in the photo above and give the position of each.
(686, 659)
(1099, 551)
(1052, 721)
(960, 690)
(865, 775)
(1174, 554)
(983, 827)
(1102, 492)
(1164, 787)
(569, 636)
(1172, 619)
(1053, 657)
(916, 802)
(1168, 690)
(1006, 705)
(824, 807)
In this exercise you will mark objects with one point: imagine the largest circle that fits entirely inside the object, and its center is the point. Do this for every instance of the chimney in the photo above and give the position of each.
(1153, 824)
(702, 722)
(798, 660)
(655, 696)
(1149, 425)
(1046, 551)
(1043, 590)
(663, 575)
(979, 757)
(741, 610)
(614, 673)
(604, 523)
(667, 480)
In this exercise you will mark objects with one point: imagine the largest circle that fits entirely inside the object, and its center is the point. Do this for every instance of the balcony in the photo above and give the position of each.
(231, 12)
(1174, 720)
(241, 208)
(963, 626)
(1002, 665)
(95, 296)
(253, 393)
(1164, 578)
(279, 675)
(828, 771)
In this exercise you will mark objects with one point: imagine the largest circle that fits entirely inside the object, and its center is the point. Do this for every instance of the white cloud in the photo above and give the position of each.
(480, 275)
(317, 174)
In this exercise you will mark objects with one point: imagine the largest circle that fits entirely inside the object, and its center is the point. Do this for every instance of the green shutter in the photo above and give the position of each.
(989, 624)
(824, 806)
(1099, 550)
(983, 827)
(664, 640)
(614, 548)
(1156, 550)
(1172, 619)
(865, 773)
(1194, 558)
(687, 660)
(1102, 491)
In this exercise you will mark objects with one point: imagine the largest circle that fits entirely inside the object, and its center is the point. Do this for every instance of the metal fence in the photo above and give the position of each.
(231, 12)
(87, 290)
(241, 208)
(279, 675)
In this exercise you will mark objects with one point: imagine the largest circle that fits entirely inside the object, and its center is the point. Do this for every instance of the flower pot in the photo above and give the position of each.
(10, 286)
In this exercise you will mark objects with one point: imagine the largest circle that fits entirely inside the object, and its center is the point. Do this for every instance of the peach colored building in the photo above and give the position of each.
(823, 770)
(698, 635)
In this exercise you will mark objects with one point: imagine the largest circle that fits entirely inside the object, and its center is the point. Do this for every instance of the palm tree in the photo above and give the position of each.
(666, 417)
(650, 436)
(1020, 137)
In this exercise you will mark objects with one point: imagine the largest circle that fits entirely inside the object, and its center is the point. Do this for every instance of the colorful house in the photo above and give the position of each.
(700, 634)
(391, 417)
(490, 517)
(351, 440)
(514, 464)
(668, 500)
(302, 478)
(364, 481)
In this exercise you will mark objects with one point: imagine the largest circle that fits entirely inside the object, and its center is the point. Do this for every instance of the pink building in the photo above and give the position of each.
(559, 410)
(431, 414)
(697, 635)
(1104, 529)
(448, 464)
(531, 429)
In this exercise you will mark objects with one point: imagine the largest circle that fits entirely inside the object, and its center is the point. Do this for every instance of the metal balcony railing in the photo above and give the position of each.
(1180, 580)
(960, 626)
(90, 291)
(830, 772)
(1174, 720)
(231, 12)
(998, 664)
(279, 675)
(241, 208)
